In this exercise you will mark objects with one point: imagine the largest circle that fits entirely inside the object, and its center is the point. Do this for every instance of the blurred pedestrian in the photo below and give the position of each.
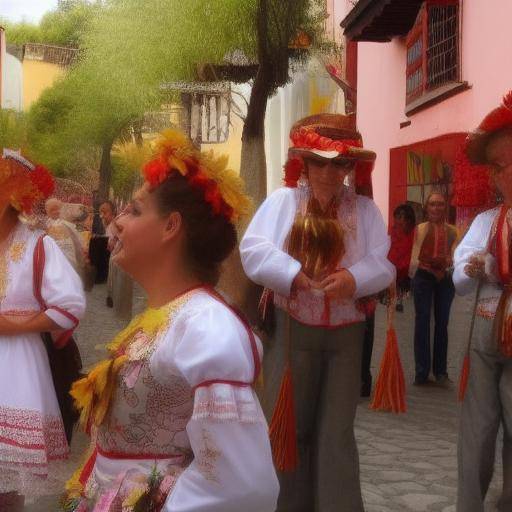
(402, 237)
(430, 270)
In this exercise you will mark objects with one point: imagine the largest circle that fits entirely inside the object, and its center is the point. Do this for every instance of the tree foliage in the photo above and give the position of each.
(131, 48)
(64, 26)
(13, 130)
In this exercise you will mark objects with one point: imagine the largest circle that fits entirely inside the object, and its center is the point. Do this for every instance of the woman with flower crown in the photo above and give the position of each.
(39, 292)
(174, 421)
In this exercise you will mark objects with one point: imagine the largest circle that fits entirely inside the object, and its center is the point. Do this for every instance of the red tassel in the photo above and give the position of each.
(282, 430)
(464, 376)
(390, 388)
(505, 340)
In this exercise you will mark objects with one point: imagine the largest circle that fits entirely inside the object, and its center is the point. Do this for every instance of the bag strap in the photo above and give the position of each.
(39, 263)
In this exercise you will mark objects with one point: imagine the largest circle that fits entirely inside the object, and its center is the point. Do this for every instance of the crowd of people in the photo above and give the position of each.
(174, 419)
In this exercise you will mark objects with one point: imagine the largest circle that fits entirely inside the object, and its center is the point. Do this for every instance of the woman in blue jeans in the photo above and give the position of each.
(431, 260)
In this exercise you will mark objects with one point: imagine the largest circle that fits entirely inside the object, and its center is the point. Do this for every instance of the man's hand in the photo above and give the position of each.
(340, 285)
(475, 268)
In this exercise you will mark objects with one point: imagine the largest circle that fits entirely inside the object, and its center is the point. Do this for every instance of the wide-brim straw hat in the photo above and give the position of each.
(328, 137)
(496, 120)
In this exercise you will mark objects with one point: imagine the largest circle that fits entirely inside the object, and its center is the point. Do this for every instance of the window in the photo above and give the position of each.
(433, 49)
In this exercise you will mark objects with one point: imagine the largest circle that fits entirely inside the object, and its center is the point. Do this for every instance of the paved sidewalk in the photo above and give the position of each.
(408, 462)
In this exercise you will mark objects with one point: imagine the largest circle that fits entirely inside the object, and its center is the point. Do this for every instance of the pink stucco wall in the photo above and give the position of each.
(486, 64)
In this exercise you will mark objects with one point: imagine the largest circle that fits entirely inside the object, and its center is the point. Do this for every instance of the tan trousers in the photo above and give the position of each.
(326, 367)
(487, 405)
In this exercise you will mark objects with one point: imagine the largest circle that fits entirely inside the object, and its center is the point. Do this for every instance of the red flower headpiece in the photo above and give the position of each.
(24, 184)
(307, 138)
(221, 188)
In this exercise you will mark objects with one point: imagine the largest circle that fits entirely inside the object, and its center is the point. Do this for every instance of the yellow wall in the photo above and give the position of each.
(233, 146)
(37, 76)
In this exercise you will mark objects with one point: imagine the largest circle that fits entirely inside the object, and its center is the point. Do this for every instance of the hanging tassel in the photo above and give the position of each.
(390, 387)
(464, 376)
(282, 430)
(265, 303)
(505, 322)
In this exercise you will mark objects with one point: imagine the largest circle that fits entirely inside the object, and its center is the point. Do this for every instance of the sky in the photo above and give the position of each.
(28, 10)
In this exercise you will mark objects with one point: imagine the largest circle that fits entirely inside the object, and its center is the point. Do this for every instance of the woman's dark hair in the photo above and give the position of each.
(209, 238)
(407, 212)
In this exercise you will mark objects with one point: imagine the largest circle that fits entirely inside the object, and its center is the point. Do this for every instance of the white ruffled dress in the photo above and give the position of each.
(31, 430)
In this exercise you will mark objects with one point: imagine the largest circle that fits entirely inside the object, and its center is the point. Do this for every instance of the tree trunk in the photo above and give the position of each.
(253, 169)
(105, 171)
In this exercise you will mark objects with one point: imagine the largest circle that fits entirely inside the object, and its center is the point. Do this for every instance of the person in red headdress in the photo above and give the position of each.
(483, 262)
(320, 248)
(39, 292)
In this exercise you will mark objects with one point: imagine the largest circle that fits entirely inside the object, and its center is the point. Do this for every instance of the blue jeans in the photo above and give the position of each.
(427, 289)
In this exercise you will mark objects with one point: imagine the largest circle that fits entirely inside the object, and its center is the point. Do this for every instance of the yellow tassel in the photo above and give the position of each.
(93, 393)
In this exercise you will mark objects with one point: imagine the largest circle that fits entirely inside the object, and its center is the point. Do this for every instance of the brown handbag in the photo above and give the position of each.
(63, 354)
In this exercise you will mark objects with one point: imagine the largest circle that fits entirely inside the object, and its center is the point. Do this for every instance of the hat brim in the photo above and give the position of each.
(354, 154)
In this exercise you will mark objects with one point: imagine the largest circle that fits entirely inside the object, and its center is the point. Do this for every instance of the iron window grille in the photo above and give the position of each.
(433, 48)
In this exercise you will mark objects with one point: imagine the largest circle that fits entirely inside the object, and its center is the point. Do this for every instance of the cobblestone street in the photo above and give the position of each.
(408, 462)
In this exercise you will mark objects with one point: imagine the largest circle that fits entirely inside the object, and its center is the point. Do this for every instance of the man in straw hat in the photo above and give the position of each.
(483, 261)
(320, 248)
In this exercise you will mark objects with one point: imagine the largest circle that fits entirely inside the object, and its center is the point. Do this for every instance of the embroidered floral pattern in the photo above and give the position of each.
(207, 458)
(486, 307)
(131, 491)
(17, 251)
(148, 417)
(308, 308)
(12, 252)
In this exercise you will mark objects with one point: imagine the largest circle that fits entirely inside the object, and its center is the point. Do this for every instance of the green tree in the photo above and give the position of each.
(63, 26)
(141, 46)
(131, 48)
(13, 130)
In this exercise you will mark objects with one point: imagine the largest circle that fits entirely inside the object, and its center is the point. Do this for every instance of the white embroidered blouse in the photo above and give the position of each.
(187, 408)
(267, 263)
(61, 287)
(476, 242)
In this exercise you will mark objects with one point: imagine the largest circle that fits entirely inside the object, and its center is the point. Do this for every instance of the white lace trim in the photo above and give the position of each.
(226, 402)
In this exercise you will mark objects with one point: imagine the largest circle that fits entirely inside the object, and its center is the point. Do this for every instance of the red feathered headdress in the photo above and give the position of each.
(497, 119)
